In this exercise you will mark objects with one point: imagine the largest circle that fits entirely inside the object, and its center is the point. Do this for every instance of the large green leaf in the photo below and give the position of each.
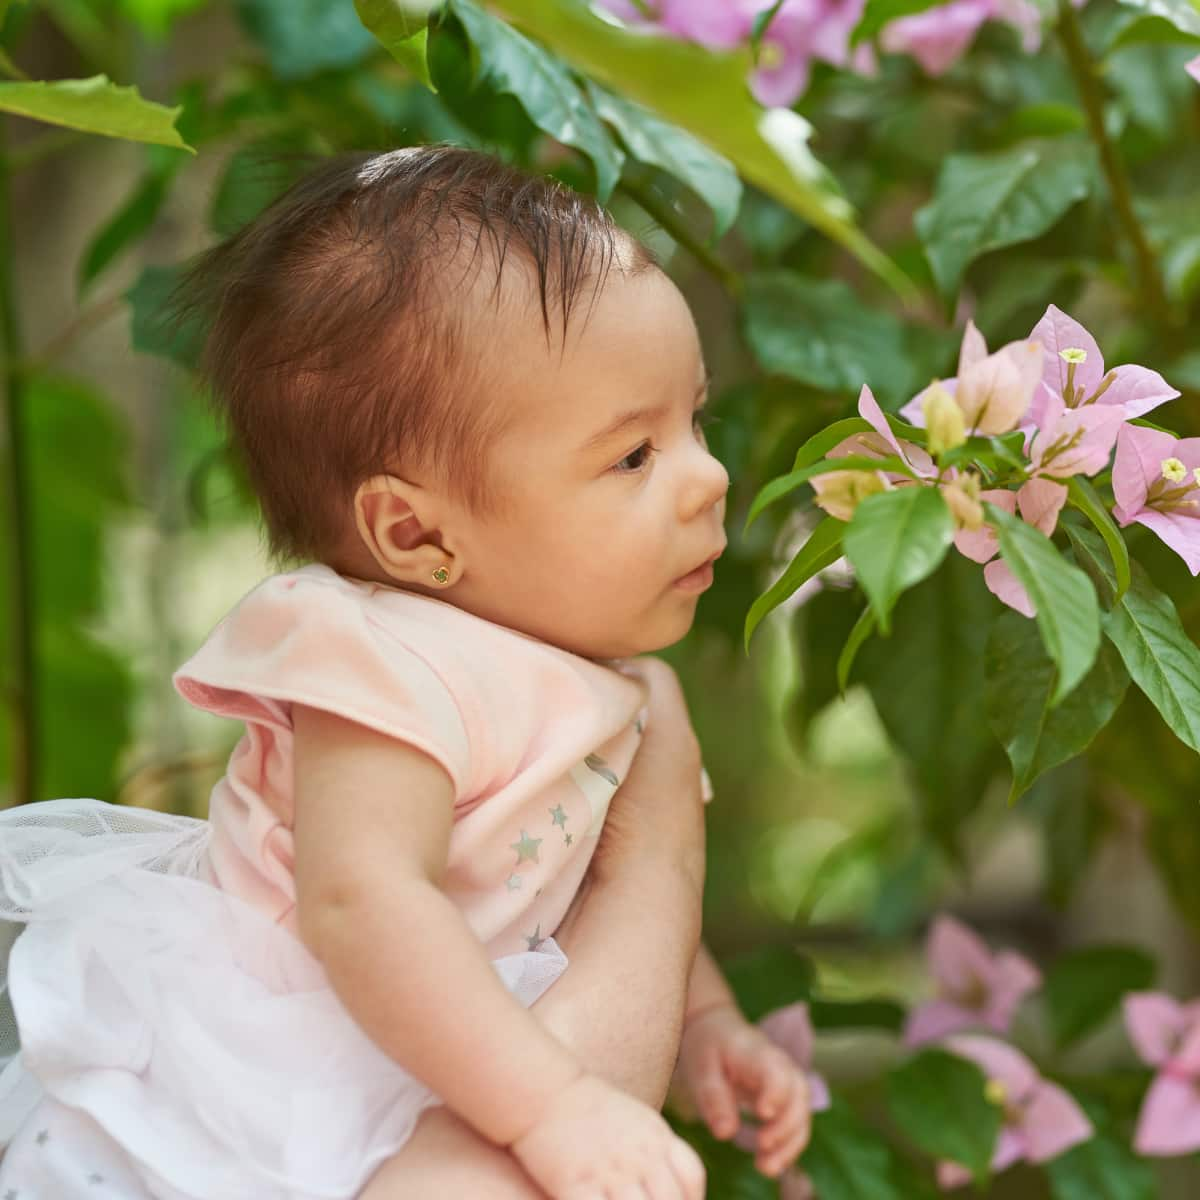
(1084, 988)
(1101, 1169)
(1157, 21)
(823, 549)
(896, 539)
(768, 978)
(1068, 615)
(545, 88)
(400, 26)
(707, 94)
(939, 1101)
(847, 1160)
(1020, 681)
(985, 201)
(152, 329)
(1083, 496)
(1144, 626)
(820, 333)
(303, 37)
(776, 489)
(94, 105)
(652, 140)
(927, 684)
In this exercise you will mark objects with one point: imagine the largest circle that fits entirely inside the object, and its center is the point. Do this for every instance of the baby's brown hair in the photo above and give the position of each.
(330, 353)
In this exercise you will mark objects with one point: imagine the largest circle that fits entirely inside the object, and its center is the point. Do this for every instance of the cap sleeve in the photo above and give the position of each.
(315, 639)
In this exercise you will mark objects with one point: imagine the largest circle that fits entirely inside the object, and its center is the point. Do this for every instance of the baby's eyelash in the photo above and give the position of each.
(642, 453)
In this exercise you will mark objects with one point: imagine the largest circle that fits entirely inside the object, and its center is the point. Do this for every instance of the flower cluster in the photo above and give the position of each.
(1069, 412)
(804, 31)
(1166, 1035)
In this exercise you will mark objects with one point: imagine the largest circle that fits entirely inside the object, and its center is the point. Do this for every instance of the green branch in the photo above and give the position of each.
(1084, 70)
(16, 517)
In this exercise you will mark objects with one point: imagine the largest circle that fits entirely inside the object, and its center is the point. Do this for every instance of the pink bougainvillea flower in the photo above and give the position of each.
(1074, 441)
(1156, 482)
(1041, 1120)
(717, 24)
(1166, 1035)
(976, 988)
(994, 391)
(1193, 68)
(1074, 371)
(937, 37)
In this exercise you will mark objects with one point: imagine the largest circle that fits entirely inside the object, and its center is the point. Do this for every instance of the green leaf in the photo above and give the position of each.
(1068, 615)
(985, 201)
(768, 147)
(94, 105)
(400, 27)
(857, 1014)
(155, 17)
(896, 539)
(938, 1100)
(769, 978)
(304, 37)
(545, 88)
(1101, 1169)
(819, 445)
(1145, 628)
(1157, 21)
(1020, 681)
(848, 1160)
(152, 330)
(1084, 988)
(126, 225)
(254, 176)
(823, 548)
(820, 333)
(1081, 495)
(649, 139)
(863, 628)
(927, 685)
(778, 488)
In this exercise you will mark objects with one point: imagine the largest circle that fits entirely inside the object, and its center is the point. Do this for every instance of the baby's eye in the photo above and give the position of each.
(635, 460)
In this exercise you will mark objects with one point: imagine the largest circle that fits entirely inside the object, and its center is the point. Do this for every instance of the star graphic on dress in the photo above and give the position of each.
(558, 816)
(526, 848)
(513, 883)
(43, 1137)
(534, 940)
(567, 839)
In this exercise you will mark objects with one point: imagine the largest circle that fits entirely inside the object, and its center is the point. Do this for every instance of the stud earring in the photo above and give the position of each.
(441, 575)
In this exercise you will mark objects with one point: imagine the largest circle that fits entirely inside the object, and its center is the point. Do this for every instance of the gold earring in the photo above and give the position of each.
(441, 575)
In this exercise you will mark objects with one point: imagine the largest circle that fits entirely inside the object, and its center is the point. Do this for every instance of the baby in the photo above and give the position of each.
(475, 406)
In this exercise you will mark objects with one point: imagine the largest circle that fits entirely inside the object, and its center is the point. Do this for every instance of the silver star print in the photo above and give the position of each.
(526, 848)
(567, 839)
(535, 939)
(558, 816)
(513, 883)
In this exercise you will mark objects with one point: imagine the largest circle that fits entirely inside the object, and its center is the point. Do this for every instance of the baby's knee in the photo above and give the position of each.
(447, 1160)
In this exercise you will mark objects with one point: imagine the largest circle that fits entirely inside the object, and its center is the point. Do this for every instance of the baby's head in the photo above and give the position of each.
(451, 377)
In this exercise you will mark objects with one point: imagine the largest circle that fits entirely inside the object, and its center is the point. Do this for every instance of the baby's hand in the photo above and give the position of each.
(727, 1064)
(598, 1143)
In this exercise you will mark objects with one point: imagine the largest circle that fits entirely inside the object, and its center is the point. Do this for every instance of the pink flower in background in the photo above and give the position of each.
(1074, 371)
(1166, 1035)
(976, 988)
(1156, 482)
(1041, 1121)
(937, 37)
(717, 24)
(1193, 68)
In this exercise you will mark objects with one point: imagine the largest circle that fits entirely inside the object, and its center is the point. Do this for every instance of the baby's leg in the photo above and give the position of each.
(445, 1158)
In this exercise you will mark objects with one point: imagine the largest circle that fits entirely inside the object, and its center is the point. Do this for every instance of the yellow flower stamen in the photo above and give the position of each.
(1073, 354)
(996, 1093)
(1173, 470)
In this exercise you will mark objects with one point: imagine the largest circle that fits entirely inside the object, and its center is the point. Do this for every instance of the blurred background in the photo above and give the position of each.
(842, 823)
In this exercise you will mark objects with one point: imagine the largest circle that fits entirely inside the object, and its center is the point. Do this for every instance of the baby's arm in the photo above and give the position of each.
(373, 822)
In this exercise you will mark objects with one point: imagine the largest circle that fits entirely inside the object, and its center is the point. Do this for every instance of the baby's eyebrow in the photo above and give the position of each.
(638, 416)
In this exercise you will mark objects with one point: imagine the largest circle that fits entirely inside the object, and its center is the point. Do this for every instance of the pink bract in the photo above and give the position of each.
(1041, 1120)
(1166, 1035)
(1193, 68)
(1172, 511)
(790, 1028)
(976, 988)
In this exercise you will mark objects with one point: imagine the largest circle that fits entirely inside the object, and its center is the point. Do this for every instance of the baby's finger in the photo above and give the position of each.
(659, 1182)
(688, 1170)
(773, 1164)
(717, 1102)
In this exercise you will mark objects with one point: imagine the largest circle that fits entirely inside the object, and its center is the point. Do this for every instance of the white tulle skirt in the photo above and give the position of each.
(175, 1044)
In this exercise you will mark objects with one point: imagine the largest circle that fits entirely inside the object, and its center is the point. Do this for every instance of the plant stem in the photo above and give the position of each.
(658, 208)
(23, 690)
(1084, 70)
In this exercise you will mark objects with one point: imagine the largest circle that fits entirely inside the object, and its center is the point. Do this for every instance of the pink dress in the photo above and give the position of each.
(177, 1040)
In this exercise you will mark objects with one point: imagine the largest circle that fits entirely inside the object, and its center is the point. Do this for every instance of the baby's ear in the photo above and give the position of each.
(397, 522)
